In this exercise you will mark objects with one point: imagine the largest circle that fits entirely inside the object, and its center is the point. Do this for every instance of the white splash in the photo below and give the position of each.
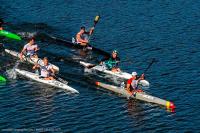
(27, 34)
(11, 73)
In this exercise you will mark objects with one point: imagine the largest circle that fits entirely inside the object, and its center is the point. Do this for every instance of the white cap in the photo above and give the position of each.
(134, 73)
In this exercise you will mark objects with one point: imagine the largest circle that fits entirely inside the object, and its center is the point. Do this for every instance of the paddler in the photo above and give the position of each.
(132, 83)
(112, 63)
(1, 24)
(46, 70)
(82, 36)
(30, 49)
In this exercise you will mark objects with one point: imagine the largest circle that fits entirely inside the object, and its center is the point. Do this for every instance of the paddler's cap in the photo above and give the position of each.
(115, 51)
(134, 74)
(82, 27)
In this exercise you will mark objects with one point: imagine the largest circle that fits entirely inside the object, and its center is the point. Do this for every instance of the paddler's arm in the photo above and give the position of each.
(22, 52)
(117, 61)
(141, 77)
(37, 48)
(91, 31)
(128, 89)
(103, 60)
(36, 66)
(52, 70)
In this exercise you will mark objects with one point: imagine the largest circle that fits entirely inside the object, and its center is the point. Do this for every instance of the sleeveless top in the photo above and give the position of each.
(30, 49)
(45, 70)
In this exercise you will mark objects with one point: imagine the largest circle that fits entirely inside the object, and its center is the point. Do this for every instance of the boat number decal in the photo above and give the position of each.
(57, 83)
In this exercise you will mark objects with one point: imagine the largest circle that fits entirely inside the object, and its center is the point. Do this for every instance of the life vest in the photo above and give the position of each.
(111, 63)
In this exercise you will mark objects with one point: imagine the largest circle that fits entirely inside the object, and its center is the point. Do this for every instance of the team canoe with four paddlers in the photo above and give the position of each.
(109, 65)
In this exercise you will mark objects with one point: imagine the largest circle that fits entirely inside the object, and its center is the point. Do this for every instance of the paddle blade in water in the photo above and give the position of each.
(2, 79)
(9, 35)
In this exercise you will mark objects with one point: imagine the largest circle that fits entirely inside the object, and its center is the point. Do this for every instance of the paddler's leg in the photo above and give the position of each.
(83, 44)
(34, 56)
(129, 88)
(49, 78)
(115, 70)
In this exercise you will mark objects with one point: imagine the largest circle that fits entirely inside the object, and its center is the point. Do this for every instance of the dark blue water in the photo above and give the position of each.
(140, 30)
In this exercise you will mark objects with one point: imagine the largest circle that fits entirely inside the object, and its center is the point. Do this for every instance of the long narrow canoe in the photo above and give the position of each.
(123, 75)
(140, 95)
(30, 60)
(53, 83)
(10, 35)
(2, 79)
(59, 41)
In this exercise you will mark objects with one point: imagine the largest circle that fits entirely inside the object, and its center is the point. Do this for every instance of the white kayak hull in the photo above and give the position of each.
(53, 83)
(32, 60)
(123, 75)
(138, 95)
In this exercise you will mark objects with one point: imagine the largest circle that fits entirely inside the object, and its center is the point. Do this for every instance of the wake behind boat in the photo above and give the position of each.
(140, 95)
(53, 83)
(30, 60)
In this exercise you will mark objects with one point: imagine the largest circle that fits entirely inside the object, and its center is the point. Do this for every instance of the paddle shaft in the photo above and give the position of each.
(96, 20)
(149, 66)
(146, 71)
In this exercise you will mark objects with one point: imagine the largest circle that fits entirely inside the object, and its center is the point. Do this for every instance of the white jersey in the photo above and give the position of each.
(30, 49)
(45, 70)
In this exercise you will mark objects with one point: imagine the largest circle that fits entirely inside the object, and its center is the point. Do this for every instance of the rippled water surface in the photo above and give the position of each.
(140, 30)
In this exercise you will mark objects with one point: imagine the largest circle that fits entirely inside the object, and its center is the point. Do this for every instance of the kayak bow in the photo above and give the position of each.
(2, 79)
(10, 35)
